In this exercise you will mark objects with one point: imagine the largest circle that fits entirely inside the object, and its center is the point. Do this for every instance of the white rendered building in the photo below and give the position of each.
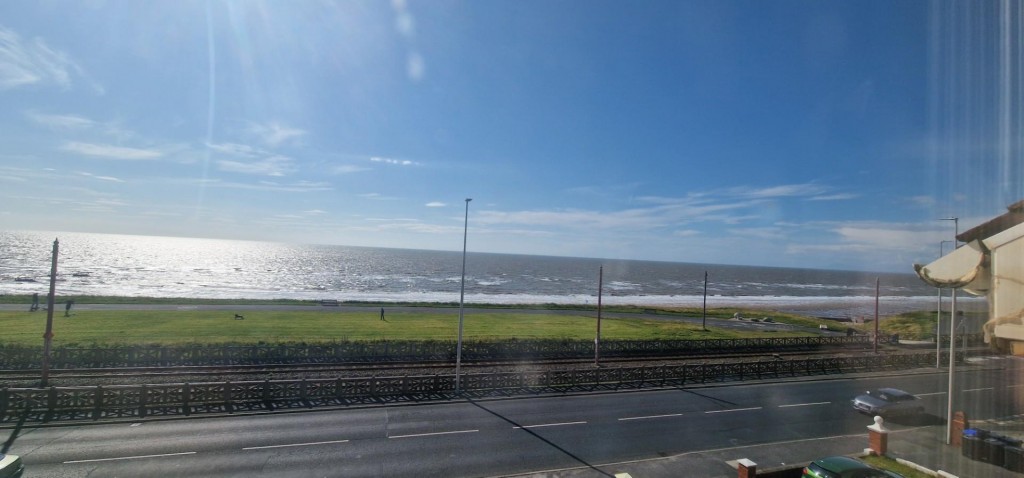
(990, 263)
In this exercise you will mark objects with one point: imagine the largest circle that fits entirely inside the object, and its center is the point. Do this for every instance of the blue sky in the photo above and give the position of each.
(788, 133)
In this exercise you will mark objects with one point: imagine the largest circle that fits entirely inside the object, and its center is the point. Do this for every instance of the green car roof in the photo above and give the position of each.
(841, 463)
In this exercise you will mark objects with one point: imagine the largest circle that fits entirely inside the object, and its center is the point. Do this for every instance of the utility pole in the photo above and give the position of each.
(938, 318)
(876, 315)
(48, 336)
(597, 338)
(952, 339)
(462, 301)
(704, 320)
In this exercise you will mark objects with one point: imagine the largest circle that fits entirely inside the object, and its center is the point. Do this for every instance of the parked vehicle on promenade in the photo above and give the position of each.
(888, 402)
(11, 466)
(845, 467)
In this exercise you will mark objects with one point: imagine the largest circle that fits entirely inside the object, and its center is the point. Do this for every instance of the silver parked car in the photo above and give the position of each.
(888, 402)
(11, 466)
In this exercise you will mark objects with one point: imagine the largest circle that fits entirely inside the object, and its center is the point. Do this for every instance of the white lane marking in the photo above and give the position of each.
(804, 404)
(138, 457)
(548, 425)
(295, 444)
(733, 410)
(978, 389)
(1015, 386)
(433, 434)
(928, 394)
(651, 416)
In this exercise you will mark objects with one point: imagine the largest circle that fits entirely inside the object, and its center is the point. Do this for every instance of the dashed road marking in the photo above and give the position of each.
(734, 410)
(454, 432)
(804, 404)
(651, 416)
(137, 457)
(295, 444)
(548, 425)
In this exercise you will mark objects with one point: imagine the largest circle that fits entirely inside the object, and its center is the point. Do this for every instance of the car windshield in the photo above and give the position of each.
(480, 238)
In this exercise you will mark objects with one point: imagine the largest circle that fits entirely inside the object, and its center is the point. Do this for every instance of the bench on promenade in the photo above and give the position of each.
(328, 302)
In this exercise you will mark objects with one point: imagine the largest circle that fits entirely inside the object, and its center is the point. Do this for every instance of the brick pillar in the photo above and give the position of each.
(747, 468)
(957, 430)
(878, 437)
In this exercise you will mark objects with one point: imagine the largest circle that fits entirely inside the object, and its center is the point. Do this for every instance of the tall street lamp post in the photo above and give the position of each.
(462, 297)
(952, 340)
(48, 335)
(938, 317)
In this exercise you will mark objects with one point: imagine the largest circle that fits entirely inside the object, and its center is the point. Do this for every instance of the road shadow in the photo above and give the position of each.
(14, 434)
(918, 420)
(545, 440)
(717, 401)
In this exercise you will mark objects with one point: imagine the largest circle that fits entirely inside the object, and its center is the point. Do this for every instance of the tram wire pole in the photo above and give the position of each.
(48, 336)
(597, 338)
(462, 297)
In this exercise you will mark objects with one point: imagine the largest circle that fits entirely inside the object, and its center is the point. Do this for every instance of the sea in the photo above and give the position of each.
(149, 266)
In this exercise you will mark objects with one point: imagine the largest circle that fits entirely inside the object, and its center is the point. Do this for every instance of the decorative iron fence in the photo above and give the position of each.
(103, 402)
(19, 358)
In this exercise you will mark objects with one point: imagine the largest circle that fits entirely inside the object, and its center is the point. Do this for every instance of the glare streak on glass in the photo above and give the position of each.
(211, 103)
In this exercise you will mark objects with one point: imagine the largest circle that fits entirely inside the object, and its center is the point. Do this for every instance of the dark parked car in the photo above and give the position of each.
(888, 402)
(845, 467)
(11, 466)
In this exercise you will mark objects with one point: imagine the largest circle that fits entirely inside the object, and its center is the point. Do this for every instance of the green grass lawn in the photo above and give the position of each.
(90, 327)
(918, 325)
(890, 464)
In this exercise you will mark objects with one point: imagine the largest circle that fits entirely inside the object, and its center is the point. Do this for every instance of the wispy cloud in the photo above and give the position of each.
(295, 186)
(301, 214)
(377, 197)
(79, 123)
(760, 232)
(275, 134)
(31, 62)
(63, 122)
(348, 169)
(785, 190)
(102, 178)
(398, 162)
(881, 236)
(251, 160)
(268, 166)
(834, 197)
(923, 201)
(435, 204)
(236, 149)
(733, 207)
(111, 152)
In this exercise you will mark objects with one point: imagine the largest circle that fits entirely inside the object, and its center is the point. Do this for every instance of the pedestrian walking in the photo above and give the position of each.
(35, 302)
(67, 308)
(382, 314)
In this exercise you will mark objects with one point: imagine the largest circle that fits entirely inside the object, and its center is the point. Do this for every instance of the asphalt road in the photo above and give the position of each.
(499, 437)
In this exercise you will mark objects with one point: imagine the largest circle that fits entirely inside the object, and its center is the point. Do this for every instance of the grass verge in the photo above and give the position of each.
(890, 464)
(165, 327)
